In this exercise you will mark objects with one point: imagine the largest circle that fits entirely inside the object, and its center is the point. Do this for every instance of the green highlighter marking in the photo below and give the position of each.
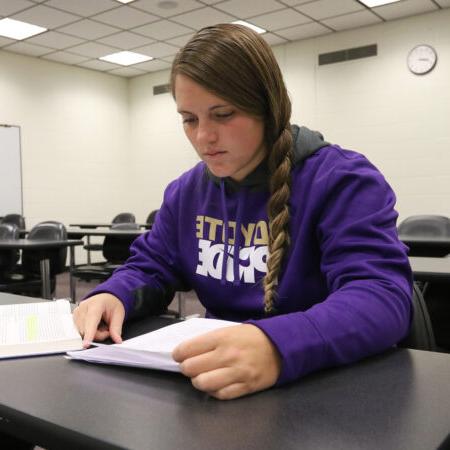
(32, 327)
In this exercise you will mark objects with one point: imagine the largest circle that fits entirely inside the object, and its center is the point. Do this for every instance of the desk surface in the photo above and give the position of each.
(74, 232)
(430, 269)
(38, 244)
(102, 225)
(398, 400)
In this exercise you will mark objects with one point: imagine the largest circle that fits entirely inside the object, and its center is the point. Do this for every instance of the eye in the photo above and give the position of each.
(188, 119)
(224, 115)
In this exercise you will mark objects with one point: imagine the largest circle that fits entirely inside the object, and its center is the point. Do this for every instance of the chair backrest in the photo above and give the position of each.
(116, 249)
(15, 219)
(125, 217)
(8, 258)
(425, 225)
(421, 336)
(151, 217)
(49, 230)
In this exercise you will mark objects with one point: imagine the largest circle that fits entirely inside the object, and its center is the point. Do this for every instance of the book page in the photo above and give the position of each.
(151, 350)
(26, 323)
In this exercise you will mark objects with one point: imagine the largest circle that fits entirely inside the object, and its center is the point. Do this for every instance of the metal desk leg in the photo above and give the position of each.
(71, 280)
(88, 243)
(45, 278)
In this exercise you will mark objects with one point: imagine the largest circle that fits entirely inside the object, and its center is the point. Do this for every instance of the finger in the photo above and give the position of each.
(195, 346)
(91, 322)
(191, 367)
(232, 391)
(215, 380)
(115, 325)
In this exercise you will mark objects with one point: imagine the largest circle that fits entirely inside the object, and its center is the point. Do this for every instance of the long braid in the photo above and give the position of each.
(280, 164)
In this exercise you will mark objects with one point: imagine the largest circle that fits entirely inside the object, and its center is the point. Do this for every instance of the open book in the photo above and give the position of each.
(37, 329)
(151, 350)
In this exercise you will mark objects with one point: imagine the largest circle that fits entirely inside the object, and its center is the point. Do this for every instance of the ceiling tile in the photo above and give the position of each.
(8, 7)
(443, 3)
(211, 2)
(202, 18)
(127, 72)
(162, 30)
(296, 2)
(168, 59)
(65, 57)
(304, 31)
(93, 49)
(280, 19)
(98, 65)
(45, 17)
(54, 39)
(153, 66)
(180, 40)
(353, 20)
(27, 49)
(6, 41)
(126, 40)
(323, 9)
(405, 8)
(84, 8)
(249, 8)
(156, 7)
(88, 29)
(272, 39)
(157, 50)
(125, 17)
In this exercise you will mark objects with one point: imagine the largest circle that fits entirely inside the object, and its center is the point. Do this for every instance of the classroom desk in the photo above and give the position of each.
(78, 233)
(394, 401)
(430, 269)
(44, 263)
(426, 245)
(105, 225)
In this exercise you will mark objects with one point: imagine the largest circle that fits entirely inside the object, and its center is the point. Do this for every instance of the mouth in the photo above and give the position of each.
(212, 154)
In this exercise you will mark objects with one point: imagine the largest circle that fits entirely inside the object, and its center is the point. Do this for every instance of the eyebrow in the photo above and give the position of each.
(212, 108)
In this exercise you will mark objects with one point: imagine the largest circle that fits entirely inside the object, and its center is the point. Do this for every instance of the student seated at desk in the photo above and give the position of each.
(275, 227)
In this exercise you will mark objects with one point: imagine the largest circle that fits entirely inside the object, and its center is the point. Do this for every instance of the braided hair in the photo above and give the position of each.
(237, 64)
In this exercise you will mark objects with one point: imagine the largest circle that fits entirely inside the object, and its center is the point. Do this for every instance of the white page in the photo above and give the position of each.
(27, 323)
(151, 350)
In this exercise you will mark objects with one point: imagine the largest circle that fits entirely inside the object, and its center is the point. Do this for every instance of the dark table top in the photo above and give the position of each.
(430, 241)
(430, 269)
(76, 232)
(397, 400)
(38, 244)
(104, 224)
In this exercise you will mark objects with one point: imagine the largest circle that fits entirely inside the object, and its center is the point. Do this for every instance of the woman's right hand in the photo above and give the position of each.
(100, 317)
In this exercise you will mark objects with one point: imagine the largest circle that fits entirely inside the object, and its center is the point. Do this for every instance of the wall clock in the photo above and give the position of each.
(422, 59)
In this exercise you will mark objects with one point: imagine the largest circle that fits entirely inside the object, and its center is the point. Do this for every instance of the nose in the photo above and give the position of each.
(206, 133)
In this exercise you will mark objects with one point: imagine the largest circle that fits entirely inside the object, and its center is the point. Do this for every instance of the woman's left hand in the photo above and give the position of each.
(230, 362)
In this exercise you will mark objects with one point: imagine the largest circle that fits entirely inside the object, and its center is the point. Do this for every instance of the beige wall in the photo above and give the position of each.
(96, 144)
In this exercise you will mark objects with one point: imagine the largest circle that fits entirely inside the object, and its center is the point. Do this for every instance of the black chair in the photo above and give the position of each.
(421, 335)
(26, 277)
(15, 219)
(8, 258)
(151, 217)
(425, 225)
(116, 250)
(125, 217)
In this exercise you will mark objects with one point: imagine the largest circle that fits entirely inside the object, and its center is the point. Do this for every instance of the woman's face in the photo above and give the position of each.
(228, 140)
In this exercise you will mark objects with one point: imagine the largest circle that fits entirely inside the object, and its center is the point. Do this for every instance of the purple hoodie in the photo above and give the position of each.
(344, 291)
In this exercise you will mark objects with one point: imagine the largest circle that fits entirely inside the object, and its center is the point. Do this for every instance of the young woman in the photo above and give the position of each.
(275, 228)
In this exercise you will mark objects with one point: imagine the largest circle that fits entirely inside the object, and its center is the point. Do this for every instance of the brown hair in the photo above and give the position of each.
(236, 64)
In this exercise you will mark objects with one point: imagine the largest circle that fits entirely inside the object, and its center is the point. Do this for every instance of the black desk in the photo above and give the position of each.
(78, 233)
(426, 245)
(398, 400)
(44, 261)
(105, 225)
(430, 269)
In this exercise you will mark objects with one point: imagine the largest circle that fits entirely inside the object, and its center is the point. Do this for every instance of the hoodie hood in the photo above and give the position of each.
(306, 143)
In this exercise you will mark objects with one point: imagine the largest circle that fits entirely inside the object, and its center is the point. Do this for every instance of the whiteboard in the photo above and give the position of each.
(10, 171)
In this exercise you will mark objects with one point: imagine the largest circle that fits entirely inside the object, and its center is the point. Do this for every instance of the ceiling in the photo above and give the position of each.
(80, 31)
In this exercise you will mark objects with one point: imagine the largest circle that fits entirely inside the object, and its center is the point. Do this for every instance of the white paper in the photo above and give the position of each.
(151, 350)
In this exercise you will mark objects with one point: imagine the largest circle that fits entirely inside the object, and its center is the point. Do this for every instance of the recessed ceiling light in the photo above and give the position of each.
(125, 1)
(250, 25)
(373, 3)
(125, 58)
(15, 29)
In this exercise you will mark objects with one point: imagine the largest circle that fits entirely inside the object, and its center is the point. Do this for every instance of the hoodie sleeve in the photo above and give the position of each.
(368, 277)
(148, 280)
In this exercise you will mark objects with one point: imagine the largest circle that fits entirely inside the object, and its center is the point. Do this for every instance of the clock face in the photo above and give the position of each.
(422, 59)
